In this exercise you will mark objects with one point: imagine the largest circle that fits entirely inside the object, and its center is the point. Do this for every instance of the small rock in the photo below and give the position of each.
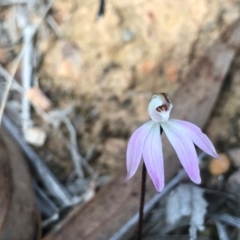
(37, 97)
(219, 166)
(234, 155)
(89, 195)
(35, 136)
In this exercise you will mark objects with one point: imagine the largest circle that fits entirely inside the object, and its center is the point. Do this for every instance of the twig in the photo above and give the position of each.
(101, 9)
(222, 232)
(83, 160)
(27, 73)
(15, 85)
(77, 159)
(12, 27)
(226, 218)
(18, 59)
(53, 24)
(81, 119)
(90, 152)
(4, 3)
(76, 156)
(46, 205)
(48, 221)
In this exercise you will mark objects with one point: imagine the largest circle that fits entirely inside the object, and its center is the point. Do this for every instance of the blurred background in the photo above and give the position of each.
(75, 80)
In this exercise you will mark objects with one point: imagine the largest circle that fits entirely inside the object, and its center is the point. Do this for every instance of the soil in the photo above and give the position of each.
(109, 68)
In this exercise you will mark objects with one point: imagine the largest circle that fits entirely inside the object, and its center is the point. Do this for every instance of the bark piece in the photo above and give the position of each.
(22, 218)
(5, 183)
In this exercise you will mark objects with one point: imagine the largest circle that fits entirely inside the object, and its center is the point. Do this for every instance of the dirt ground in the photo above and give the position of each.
(108, 68)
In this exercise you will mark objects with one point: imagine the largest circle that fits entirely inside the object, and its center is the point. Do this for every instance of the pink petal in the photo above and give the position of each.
(135, 148)
(153, 157)
(196, 135)
(184, 149)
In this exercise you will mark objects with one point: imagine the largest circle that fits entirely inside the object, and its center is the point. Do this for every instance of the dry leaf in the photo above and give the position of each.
(187, 200)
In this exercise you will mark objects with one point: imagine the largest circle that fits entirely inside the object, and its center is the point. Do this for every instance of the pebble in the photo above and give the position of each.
(219, 166)
(35, 136)
(38, 98)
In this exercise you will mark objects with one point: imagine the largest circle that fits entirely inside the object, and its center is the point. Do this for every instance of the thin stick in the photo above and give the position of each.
(27, 75)
(142, 198)
(4, 3)
(77, 159)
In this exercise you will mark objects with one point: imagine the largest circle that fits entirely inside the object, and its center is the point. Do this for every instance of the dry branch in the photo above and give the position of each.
(22, 212)
(4, 3)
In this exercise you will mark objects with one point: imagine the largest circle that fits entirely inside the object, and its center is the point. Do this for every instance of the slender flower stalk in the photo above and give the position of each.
(146, 142)
(142, 199)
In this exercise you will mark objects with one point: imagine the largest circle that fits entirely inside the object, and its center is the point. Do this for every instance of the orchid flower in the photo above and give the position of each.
(146, 142)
